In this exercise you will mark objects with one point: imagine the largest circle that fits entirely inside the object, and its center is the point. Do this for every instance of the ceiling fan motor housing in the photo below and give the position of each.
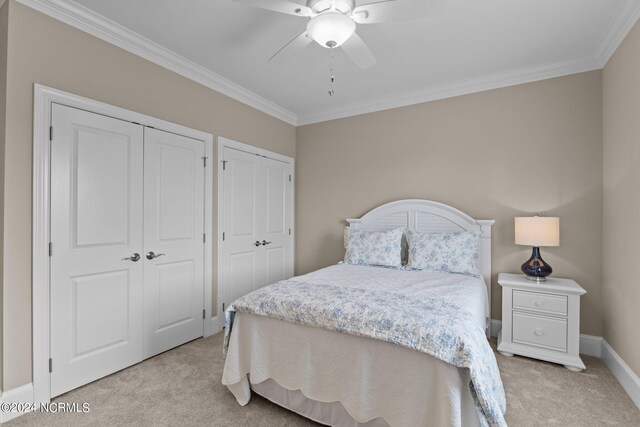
(342, 6)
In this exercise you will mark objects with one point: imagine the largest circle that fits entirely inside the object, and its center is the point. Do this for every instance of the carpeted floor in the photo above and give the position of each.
(182, 387)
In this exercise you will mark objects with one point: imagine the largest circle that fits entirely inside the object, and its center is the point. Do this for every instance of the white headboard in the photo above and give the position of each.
(429, 216)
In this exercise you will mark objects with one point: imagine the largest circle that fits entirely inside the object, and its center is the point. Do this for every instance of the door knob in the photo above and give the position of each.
(265, 243)
(135, 257)
(257, 243)
(151, 255)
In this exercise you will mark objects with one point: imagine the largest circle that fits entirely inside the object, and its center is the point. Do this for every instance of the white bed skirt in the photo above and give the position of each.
(331, 414)
(310, 370)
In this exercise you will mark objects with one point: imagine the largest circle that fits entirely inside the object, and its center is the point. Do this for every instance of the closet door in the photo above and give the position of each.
(257, 219)
(173, 257)
(243, 256)
(277, 239)
(96, 235)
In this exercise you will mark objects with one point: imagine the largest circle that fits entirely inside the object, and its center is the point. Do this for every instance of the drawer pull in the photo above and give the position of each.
(539, 303)
(539, 332)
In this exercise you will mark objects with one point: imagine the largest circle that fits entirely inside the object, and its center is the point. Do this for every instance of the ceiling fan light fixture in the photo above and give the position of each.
(331, 29)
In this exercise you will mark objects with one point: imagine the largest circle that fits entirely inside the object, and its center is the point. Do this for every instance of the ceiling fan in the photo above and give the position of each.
(332, 24)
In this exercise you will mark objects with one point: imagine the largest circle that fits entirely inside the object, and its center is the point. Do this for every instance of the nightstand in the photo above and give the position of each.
(541, 319)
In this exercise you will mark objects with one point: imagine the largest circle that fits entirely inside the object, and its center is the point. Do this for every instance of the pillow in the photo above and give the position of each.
(450, 252)
(345, 235)
(381, 248)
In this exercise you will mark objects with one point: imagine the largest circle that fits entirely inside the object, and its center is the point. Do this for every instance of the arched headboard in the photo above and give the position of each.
(433, 217)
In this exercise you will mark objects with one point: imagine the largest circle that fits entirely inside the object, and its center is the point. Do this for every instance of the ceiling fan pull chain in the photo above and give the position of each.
(332, 79)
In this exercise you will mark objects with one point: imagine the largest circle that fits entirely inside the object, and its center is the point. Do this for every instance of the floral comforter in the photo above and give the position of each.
(434, 323)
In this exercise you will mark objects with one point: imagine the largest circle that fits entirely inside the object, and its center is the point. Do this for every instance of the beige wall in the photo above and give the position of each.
(4, 18)
(46, 51)
(621, 288)
(532, 148)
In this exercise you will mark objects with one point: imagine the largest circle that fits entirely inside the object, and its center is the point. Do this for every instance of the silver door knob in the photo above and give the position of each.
(257, 243)
(135, 257)
(152, 255)
(265, 243)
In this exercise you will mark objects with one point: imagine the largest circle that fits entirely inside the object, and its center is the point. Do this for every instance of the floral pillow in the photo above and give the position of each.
(381, 248)
(450, 252)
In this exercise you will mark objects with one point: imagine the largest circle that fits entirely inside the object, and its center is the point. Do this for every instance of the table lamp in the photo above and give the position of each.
(537, 231)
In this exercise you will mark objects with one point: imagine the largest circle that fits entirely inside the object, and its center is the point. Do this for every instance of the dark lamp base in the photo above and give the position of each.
(535, 268)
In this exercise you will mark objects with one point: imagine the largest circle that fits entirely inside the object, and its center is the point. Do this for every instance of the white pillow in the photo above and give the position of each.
(450, 252)
(381, 248)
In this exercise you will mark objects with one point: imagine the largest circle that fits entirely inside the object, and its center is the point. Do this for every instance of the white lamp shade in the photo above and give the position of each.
(331, 29)
(538, 231)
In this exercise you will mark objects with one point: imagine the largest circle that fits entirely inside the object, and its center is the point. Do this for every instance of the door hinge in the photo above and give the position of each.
(204, 238)
(50, 365)
(224, 165)
(223, 236)
(223, 307)
(50, 133)
(289, 232)
(204, 159)
(204, 313)
(289, 178)
(50, 249)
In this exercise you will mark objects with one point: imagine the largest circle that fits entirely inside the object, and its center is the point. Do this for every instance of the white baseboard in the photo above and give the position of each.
(623, 373)
(496, 325)
(589, 345)
(212, 326)
(22, 394)
(597, 347)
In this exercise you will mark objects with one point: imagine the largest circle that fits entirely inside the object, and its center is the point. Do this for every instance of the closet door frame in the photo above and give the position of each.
(229, 143)
(44, 98)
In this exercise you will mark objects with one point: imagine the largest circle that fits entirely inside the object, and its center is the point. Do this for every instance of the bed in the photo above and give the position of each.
(290, 342)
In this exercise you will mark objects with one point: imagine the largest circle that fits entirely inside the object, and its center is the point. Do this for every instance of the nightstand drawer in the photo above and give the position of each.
(544, 303)
(540, 331)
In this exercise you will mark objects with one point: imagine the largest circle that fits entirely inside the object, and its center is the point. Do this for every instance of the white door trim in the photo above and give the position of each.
(228, 143)
(44, 97)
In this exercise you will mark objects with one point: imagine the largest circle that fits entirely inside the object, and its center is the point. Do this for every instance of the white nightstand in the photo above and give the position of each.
(541, 319)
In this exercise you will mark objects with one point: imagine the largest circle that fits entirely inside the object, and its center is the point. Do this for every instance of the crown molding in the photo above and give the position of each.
(90, 22)
(618, 30)
(450, 90)
(2, 2)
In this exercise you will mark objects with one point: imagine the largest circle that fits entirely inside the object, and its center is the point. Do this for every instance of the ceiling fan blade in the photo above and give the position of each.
(359, 52)
(291, 49)
(393, 11)
(282, 6)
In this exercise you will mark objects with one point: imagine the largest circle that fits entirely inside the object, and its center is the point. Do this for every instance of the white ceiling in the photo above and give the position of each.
(458, 46)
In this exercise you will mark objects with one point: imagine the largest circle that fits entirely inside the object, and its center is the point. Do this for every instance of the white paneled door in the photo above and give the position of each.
(127, 244)
(278, 247)
(257, 246)
(243, 254)
(174, 238)
(96, 227)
